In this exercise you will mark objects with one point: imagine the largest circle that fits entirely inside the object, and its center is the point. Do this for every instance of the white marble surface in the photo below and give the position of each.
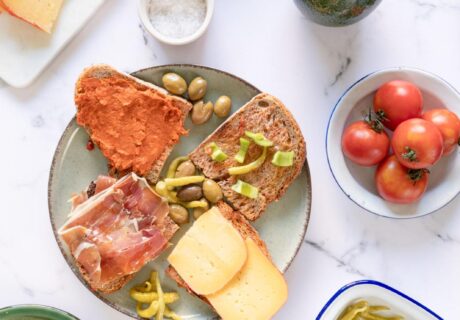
(271, 45)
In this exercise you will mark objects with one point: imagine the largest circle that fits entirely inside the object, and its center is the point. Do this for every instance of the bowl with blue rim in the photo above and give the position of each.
(358, 182)
(391, 302)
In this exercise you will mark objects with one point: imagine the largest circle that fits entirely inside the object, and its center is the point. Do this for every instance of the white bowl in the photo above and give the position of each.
(376, 293)
(144, 16)
(357, 182)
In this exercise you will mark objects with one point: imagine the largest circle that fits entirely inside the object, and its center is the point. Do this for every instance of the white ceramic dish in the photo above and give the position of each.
(376, 293)
(25, 51)
(358, 182)
(144, 16)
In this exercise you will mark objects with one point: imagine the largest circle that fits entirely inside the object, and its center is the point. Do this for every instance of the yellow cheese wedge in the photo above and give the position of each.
(210, 253)
(39, 13)
(257, 292)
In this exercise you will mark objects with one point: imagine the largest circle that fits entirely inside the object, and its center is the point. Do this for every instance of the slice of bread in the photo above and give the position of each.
(265, 114)
(134, 123)
(241, 225)
(167, 227)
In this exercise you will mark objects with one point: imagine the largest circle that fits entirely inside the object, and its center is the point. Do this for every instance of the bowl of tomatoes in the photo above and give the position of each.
(392, 142)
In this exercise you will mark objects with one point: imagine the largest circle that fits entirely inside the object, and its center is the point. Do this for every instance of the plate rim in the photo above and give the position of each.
(374, 283)
(60, 146)
(400, 68)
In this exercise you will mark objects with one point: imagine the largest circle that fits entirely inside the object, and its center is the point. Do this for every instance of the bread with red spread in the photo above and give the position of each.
(134, 123)
(263, 114)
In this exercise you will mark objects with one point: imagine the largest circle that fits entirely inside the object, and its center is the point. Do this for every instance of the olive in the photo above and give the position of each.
(178, 213)
(174, 83)
(198, 212)
(201, 112)
(222, 106)
(197, 88)
(212, 191)
(190, 193)
(185, 169)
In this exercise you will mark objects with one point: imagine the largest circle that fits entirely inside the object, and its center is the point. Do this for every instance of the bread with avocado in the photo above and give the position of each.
(263, 114)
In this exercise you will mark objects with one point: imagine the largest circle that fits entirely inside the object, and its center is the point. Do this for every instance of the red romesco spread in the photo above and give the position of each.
(130, 123)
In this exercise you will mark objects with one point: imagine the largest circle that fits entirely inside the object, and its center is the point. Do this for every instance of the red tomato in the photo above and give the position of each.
(364, 145)
(396, 183)
(449, 125)
(417, 143)
(397, 101)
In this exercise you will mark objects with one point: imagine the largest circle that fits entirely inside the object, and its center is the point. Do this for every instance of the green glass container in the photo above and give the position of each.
(336, 13)
(34, 312)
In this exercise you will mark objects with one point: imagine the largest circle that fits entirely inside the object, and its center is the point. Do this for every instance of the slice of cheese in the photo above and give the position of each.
(39, 13)
(210, 253)
(257, 292)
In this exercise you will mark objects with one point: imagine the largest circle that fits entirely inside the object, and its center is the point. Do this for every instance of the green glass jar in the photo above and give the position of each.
(336, 13)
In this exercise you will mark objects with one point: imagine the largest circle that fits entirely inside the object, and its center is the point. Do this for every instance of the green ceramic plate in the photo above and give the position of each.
(34, 312)
(282, 227)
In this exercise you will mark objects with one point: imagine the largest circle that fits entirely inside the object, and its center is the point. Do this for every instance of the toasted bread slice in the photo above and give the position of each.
(267, 115)
(167, 225)
(134, 123)
(108, 288)
(240, 224)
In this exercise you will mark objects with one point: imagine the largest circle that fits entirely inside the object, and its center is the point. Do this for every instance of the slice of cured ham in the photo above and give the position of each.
(115, 228)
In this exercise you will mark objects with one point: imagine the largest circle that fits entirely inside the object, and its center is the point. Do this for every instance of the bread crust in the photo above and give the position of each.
(268, 115)
(106, 71)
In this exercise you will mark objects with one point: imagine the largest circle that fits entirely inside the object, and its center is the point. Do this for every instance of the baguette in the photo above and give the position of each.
(265, 114)
(115, 109)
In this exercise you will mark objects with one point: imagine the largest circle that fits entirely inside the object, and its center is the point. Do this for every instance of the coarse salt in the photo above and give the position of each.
(177, 18)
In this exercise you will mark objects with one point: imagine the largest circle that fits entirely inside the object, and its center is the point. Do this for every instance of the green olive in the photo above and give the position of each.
(222, 106)
(197, 88)
(198, 212)
(178, 213)
(185, 169)
(174, 83)
(201, 112)
(212, 191)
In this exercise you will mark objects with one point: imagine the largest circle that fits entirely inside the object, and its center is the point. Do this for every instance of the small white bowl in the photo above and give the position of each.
(357, 182)
(144, 16)
(376, 293)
